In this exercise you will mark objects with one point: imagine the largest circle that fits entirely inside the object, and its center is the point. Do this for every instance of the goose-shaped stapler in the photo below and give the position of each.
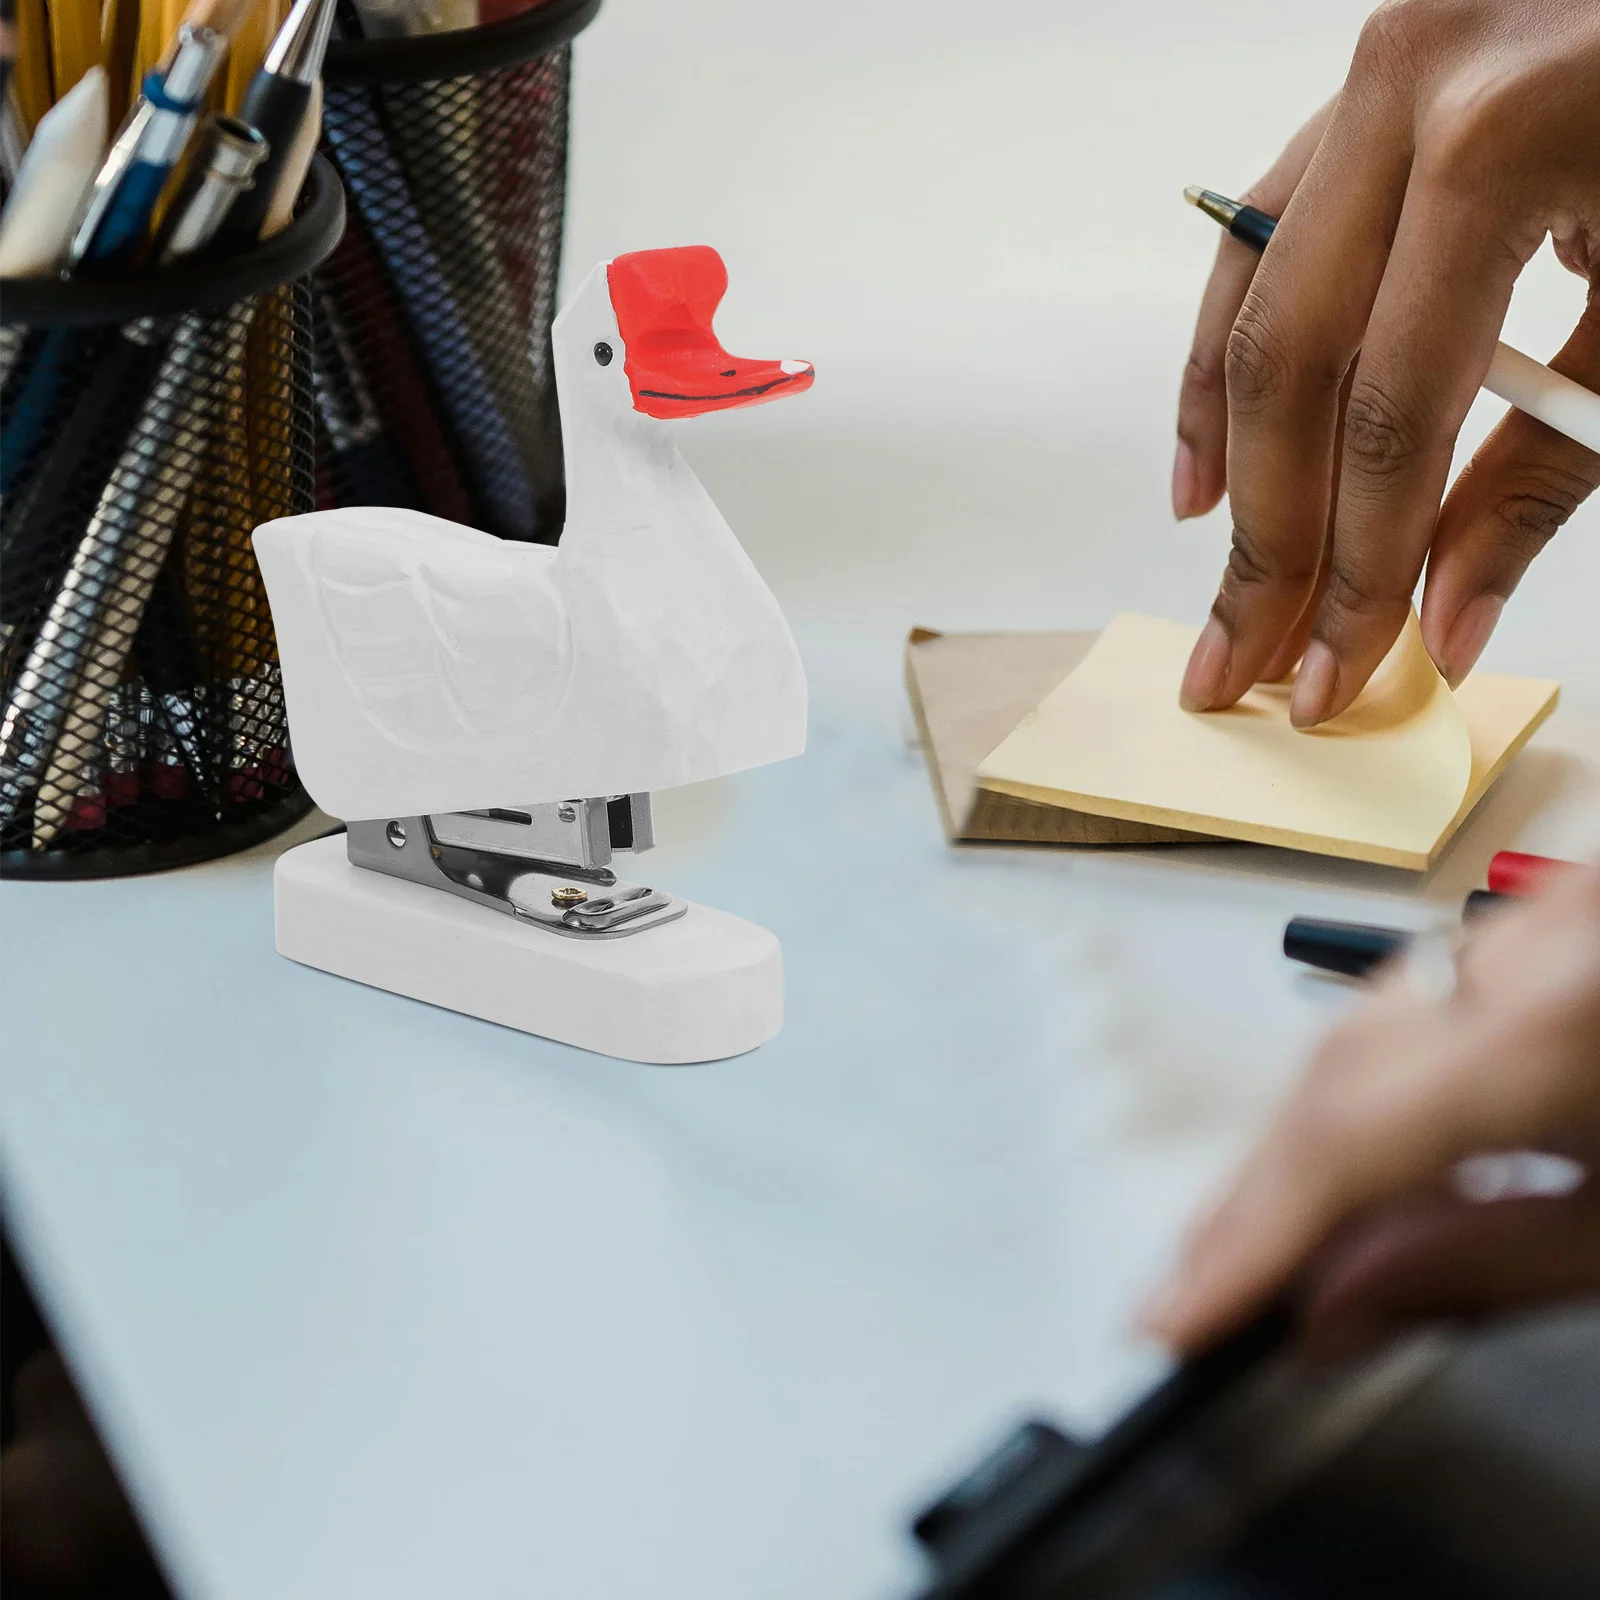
(490, 717)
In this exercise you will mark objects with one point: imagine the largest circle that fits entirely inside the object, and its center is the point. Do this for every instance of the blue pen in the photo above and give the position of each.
(135, 172)
(114, 226)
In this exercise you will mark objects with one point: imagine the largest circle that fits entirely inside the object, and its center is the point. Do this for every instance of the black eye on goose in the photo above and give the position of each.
(603, 353)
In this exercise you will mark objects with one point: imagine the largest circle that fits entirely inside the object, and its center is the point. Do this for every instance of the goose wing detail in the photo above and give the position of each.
(445, 638)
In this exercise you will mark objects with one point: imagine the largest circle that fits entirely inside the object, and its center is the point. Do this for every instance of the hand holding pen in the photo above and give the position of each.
(1330, 377)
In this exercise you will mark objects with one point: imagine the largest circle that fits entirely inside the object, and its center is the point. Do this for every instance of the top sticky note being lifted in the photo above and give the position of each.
(1388, 781)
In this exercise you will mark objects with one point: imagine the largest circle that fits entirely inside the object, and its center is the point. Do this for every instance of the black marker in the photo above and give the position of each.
(1352, 948)
(1356, 948)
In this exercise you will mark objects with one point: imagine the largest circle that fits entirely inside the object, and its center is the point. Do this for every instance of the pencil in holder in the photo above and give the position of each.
(433, 369)
(148, 424)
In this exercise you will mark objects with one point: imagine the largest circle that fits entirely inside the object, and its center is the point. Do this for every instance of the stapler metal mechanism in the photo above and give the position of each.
(491, 717)
(549, 864)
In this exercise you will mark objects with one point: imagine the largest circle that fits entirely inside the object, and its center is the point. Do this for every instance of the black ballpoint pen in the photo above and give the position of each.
(276, 104)
(1244, 223)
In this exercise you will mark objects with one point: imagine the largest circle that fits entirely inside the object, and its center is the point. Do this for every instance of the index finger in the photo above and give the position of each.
(1294, 340)
(1200, 470)
(1428, 347)
(1349, 1135)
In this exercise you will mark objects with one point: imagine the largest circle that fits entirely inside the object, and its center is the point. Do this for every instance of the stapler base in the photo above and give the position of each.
(702, 988)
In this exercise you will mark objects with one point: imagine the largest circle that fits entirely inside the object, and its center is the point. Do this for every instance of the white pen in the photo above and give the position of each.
(54, 180)
(1558, 402)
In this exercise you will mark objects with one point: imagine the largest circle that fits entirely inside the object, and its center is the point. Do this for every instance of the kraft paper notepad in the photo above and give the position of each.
(968, 691)
(1388, 781)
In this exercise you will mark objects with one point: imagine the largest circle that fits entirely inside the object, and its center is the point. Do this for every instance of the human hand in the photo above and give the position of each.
(1329, 378)
(1350, 1202)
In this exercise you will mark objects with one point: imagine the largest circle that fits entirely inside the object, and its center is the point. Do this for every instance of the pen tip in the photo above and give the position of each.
(1216, 206)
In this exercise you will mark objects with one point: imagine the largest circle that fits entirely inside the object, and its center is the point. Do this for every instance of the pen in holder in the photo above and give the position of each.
(433, 373)
(148, 423)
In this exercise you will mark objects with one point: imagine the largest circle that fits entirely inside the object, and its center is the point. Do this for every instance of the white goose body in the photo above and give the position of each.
(429, 667)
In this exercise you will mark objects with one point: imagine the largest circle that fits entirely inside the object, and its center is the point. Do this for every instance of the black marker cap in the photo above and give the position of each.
(1353, 948)
(1481, 900)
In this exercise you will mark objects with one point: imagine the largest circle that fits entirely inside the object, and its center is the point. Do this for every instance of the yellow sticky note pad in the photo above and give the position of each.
(1388, 781)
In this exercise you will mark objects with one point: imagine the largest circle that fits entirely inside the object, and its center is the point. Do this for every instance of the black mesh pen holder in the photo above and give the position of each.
(433, 372)
(148, 424)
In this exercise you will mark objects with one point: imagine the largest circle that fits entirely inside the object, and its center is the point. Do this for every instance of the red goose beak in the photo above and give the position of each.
(664, 301)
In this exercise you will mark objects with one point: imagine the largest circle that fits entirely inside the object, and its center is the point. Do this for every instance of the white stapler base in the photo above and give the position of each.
(705, 987)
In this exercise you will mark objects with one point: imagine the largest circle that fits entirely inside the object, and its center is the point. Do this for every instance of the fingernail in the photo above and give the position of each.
(1185, 483)
(1469, 633)
(1208, 668)
(1314, 685)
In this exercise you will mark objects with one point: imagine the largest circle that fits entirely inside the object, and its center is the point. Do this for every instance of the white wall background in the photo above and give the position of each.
(970, 218)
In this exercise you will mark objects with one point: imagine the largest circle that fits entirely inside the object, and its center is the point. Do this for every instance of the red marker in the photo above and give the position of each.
(1514, 873)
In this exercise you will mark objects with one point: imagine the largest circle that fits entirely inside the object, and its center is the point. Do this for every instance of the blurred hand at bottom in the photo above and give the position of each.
(1438, 1159)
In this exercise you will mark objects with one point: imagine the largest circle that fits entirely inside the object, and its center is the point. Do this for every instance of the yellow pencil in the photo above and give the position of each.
(149, 46)
(217, 526)
(173, 14)
(252, 455)
(30, 74)
(119, 42)
(74, 41)
(249, 49)
(270, 417)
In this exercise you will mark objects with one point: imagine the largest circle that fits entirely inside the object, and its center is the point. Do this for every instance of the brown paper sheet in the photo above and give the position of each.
(968, 691)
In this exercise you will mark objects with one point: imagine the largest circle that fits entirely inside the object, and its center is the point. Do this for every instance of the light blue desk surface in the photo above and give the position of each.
(376, 1299)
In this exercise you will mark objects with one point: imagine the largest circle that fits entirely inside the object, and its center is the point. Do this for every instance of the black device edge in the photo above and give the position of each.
(996, 1536)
